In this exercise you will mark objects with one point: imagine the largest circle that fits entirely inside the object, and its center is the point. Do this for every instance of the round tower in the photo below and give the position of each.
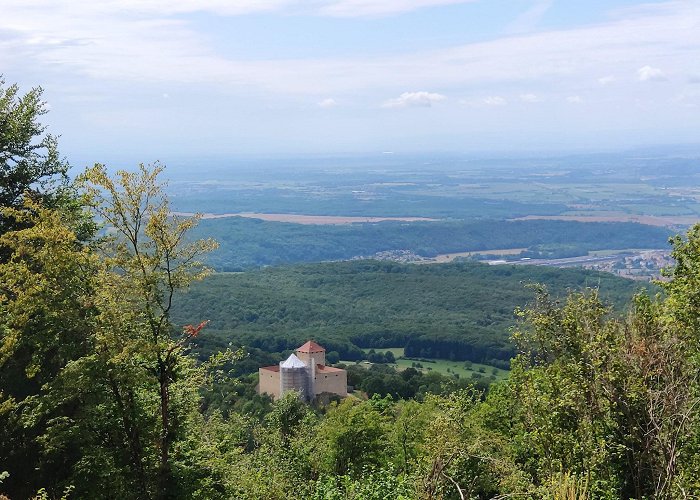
(293, 377)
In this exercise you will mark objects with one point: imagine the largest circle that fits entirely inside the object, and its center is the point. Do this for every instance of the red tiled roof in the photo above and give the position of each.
(310, 347)
(273, 368)
(330, 369)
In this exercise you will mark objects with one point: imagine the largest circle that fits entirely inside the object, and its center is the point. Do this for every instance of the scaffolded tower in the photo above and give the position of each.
(294, 377)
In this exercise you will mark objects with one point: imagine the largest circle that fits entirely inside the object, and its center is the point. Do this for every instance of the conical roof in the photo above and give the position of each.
(311, 346)
(292, 362)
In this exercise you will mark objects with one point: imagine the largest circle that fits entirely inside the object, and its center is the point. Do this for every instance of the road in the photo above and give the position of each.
(568, 262)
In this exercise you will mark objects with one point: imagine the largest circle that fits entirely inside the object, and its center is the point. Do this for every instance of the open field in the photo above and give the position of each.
(447, 367)
(354, 189)
(443, 366)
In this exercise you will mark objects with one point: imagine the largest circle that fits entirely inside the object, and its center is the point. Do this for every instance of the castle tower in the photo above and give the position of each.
(312, 354)
(294, 377)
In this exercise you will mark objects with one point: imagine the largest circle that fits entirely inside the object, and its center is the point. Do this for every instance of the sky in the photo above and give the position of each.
(141, 80)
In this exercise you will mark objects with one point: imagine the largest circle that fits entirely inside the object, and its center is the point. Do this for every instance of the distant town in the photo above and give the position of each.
(642, 265)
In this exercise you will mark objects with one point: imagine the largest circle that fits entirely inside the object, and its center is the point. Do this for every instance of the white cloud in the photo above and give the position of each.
(333, 8)
(606, 80)
(650, 74)
(414, 99)
(357, 8)
(529, 98)
(574, 99)
(98, 41)
(494, 100)
(327, 103)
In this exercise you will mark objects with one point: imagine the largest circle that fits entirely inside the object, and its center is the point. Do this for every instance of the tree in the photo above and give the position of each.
(684, 286)
(287, 414)
(683, 310)
(608, 399)
(332, 357)
(30, 165)
(352, 437)
(461, 455)
(147, 259)
(47, 285)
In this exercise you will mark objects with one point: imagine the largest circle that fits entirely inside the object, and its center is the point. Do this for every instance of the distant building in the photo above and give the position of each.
(306, 372)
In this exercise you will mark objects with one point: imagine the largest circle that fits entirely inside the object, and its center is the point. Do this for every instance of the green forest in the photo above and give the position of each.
(454, 311)
(247, 243)
(102, 395)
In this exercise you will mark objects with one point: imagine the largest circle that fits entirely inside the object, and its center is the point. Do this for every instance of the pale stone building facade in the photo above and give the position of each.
(306, 372)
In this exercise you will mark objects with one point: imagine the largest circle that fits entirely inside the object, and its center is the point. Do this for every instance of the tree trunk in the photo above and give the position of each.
(133, 437)
(165, 433)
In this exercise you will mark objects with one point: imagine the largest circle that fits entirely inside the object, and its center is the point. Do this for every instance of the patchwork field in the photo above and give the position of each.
(627, 187)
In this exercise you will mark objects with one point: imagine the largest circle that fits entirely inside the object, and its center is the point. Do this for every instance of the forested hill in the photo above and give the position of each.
(462, 311)
(249, 243)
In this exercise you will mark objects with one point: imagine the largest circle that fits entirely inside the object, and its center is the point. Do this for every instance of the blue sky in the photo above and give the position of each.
(164, 79)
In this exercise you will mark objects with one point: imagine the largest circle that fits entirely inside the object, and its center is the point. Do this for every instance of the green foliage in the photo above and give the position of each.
(30, 165)
(89, 355)
(452, 311)
(684, 286)
(461, 454)
(249, 243)
(381, 484)
(352, 438)
(46, 297)
(146, 261)
(602, 398)
(287, 415)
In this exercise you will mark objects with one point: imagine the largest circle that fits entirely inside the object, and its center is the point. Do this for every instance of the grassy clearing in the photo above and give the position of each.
(447, 367)
(442, 366)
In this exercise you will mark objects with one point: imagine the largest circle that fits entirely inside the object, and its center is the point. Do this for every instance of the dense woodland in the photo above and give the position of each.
(453, 311)
(100, 396)
(247, 243)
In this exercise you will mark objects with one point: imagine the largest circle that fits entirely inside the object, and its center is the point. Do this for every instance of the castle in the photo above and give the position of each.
(304, 371)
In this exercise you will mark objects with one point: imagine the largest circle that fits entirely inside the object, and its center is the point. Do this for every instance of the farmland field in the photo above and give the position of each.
(464, 369)
(651, 220)
(448, 187)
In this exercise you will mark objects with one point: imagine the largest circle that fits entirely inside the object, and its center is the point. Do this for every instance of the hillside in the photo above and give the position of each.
(459, 311)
